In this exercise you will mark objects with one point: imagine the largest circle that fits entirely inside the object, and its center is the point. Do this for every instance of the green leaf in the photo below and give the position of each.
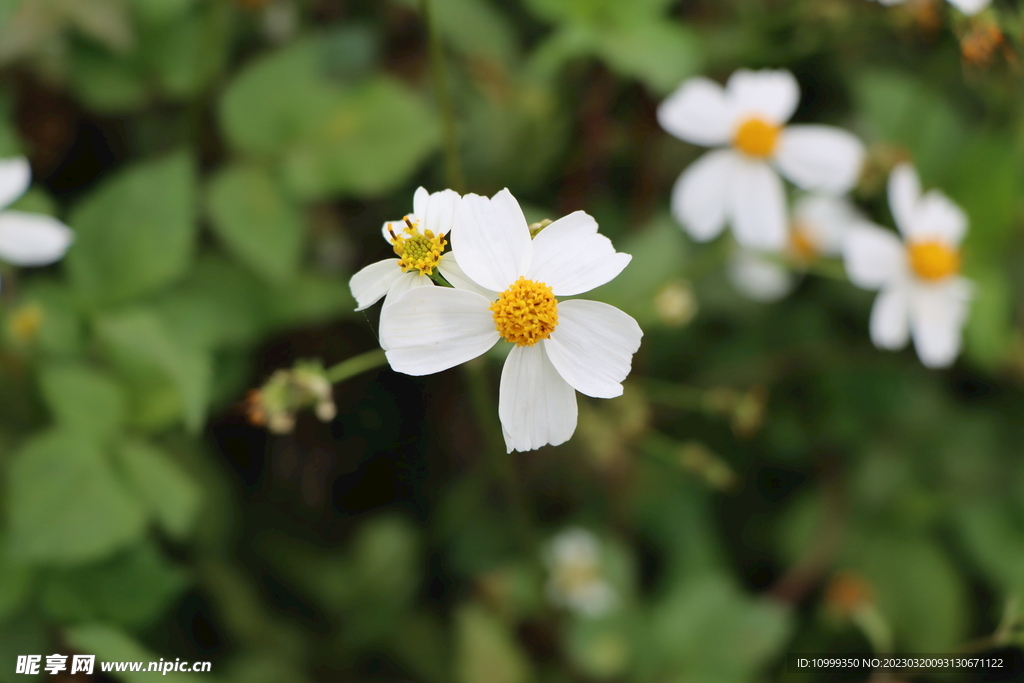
(169, 492)
(106, 83)
(111, 644)
(988, 335)
(21, 636)
(188, 53)
(61, 332)
(84, 400)
(658, 53)
(995, 542)
(130, 589)
(255, 220)
(66, 503)
(15, 582)
(160, 11)
(486, 651)
(135, 233)
(140, 338)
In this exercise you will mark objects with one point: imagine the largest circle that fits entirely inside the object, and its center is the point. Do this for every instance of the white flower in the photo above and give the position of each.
(920, 290)
(419, 241)
(739, 184)
(574, 559)
(559, 345)
(968, 7)
(817, 229)
(27, 239)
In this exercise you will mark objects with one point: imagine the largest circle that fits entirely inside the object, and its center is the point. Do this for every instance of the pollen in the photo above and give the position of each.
(526, 312)
(933, 260)
(757, 138)
(419, 251)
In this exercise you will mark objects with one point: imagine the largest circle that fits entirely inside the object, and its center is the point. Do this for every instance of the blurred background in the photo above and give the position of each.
(769, 483)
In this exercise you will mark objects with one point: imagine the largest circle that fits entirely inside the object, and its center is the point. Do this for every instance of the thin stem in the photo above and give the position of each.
(356, 365)
(453, 165)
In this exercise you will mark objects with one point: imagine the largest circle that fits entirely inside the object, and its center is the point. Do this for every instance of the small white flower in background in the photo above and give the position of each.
(573, 558)
(560, 346)
(921, 291)
(968, 7)
(27, 239)
(419, 241)
(816, 230)
(739, 184)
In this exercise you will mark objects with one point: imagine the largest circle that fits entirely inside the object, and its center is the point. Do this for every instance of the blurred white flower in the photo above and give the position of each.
(559, 346)
(739, 184)
(27, 239)
(921, 292)
(968, 7)
(573, 558)
(419, 241)
(759, 275)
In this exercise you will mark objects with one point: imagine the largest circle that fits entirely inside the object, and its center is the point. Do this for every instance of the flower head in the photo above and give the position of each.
(573, 558)
(921, 291)
(27, 239)
(275, 404)
(559, 345)
(739, 183)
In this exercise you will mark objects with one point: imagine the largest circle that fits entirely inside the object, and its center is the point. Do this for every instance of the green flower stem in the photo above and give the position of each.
(453, 165)
(356, 365)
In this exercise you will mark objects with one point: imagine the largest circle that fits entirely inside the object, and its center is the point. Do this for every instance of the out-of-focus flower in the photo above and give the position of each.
(847, 593)
(27, 239)
(560, 347)
(576, 579)
(921, 291)
(24, 323)
(968, 7)
(759, 275)
(979, 45)
(739, 184)
(675, 304)
(419, 241)
(275, 404)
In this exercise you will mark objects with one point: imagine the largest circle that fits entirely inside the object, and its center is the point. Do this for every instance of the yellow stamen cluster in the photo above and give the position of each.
(417, 251)
(757, 138)
(526, 312)
(801, 245)
(933, 260)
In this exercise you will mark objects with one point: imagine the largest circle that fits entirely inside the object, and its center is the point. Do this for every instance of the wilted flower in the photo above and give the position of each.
(921, 290)
(27, 239)
(740, 184)
(968, 7)
(576, 580)
(275, 404)
(559, 346)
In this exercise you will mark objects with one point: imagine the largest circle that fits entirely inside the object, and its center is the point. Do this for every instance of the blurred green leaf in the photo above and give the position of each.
(167, 490)
(111, 644)
(61, 331)
(187, 54)
(20, 636)
(486, 651)
(66, 503)
(135, 232)
(84, 400)
(106, 83)
(255, 220)
(989, 332)
(160, 11)
(995, 541)
(15, 583)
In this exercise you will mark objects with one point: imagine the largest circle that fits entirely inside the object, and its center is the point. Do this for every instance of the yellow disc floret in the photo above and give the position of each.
(801, 245)
(526, 312)
(933, 260)
(756, 138)
(417, 251)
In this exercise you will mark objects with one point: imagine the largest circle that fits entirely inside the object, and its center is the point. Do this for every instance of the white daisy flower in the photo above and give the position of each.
(739, 183)
(574, 559)
(816, 230)
(921, 292)
(559, 345)
(968, 7)
(27, 239)
(419, 241)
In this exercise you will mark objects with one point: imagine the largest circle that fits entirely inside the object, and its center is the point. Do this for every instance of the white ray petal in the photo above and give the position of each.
(772, 95)
(491, 240)
(904, 194)
(890, 318)
(698, 112)
(454, 274)
(757, 276)
(873, 256)
(937, 316)
(757, 203)
(374, 281)
(536, 406)
(32, 239)
(571, 257)
(822, 158)
(700, 196)
(15, 177)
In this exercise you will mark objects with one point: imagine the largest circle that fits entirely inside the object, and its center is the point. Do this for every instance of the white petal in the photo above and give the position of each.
(404, 283)
(767, 94)
(937, 316)
(700, 196)
(439, 212)
(593, 346)
(938, 218)
(758, 277)
(821, 158)
(389, 227)
(890, 318)
(431, 329)
(32, 239)
(825, 219)
(904, 193)
(536, 406)
(453, 273)
(15, 176)
(873, 256)
(758, 206)
(420, 198)
(373, 282)
(970, 7)
(571, 257)
(491, 240)
(698, 112)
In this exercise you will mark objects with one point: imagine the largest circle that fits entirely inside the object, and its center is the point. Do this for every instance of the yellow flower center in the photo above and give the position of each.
(933, 260)
(802, 247)
(757, 138)
(526, 312)
(417, 251)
